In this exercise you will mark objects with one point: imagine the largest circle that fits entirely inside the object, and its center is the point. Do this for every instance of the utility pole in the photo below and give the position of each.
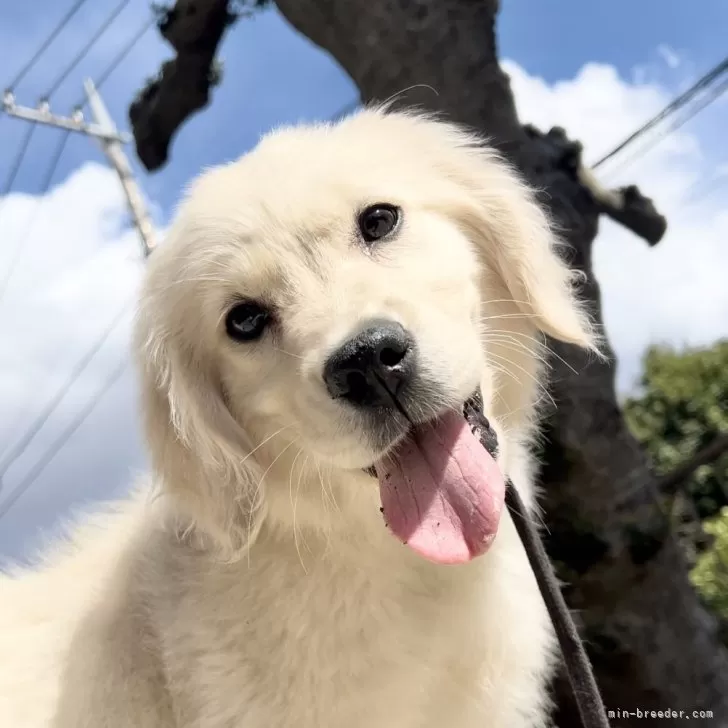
(112, 147)
(111, 141)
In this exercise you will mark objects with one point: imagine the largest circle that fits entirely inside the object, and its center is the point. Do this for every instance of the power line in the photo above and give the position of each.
(674, 106)
(125, 50)
(708, 187)
(45, 186)
(101, 78)
(105, 131)
(674, 126)
(44, 45)
(119, 57)
(20, 157)
(17, 162)
(17, 450)
(84, 51)
(61, 440)
(111, 141)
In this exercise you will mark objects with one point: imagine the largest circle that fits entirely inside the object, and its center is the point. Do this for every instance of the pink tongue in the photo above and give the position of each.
(442, 493)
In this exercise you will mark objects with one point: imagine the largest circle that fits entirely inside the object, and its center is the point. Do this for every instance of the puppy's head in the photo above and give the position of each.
(334, 287)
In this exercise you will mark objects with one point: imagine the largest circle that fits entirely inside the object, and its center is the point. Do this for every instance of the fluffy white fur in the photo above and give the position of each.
(252, 583)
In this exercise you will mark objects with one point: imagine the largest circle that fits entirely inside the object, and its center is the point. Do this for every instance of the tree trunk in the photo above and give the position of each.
(652, 644)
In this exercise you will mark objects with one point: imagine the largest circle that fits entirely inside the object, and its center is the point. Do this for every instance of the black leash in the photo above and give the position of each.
(578, 667)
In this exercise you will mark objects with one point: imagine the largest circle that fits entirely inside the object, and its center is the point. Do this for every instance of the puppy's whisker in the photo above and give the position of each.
(490, 335)
(256, 492)
(494, 334)
(298, 488)
(543, 358)
(510, 362)
(324, 503)
(500, 369)
(293, 509)
(288, 353)
(391, 99)
(395, 401)
(540, 343)
(515, 345)
(331, 489)
(197, 279)
(507, 300)
(261, 444)
(327, 496)
(507, 362)
(494, 317)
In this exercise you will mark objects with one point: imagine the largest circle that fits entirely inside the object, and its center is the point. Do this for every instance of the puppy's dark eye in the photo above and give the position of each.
(378, 221)
(246, 321)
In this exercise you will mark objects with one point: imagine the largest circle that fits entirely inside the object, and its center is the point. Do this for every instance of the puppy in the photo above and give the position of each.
(326, 545)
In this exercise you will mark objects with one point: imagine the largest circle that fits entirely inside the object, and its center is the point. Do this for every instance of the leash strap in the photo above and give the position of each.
(578, 667)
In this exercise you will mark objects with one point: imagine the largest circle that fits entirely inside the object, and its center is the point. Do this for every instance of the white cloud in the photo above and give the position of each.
(79, 266)
(81, 263)
(676, 292)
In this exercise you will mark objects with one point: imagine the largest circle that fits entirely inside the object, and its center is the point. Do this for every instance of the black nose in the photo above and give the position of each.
(371, 366)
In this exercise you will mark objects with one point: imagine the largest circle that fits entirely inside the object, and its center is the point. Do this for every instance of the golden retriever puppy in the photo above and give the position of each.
(326, 544)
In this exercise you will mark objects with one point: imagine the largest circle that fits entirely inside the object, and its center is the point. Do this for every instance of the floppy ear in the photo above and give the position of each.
(198, 450)
(517, 243)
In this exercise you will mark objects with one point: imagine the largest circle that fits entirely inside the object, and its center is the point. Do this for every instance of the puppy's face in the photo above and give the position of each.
(338, 284)
(347, 305)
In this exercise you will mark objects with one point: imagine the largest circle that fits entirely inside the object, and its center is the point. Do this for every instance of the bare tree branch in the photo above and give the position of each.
(671, 482)
(627, 205)
(194, 28)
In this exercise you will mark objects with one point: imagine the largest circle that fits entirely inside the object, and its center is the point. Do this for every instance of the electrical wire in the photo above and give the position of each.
(58, 444)
(84, 51)
(13, 173)
(120, 56)
(17, 450)
(45, 186)
(674, 106)
(44, 45)
(655, 139)
(18, 161)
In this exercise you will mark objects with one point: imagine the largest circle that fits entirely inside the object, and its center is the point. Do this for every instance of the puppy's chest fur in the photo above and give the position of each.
(359, 635)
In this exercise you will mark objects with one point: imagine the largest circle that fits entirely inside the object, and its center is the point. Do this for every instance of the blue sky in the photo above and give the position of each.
(599, 69)
(622, 33)
(275, 75)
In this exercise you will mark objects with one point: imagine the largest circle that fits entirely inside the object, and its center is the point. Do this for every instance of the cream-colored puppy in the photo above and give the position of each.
(328, 546)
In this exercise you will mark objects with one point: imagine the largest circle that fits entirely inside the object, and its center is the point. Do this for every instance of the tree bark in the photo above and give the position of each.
(671, 482)
(652, 644)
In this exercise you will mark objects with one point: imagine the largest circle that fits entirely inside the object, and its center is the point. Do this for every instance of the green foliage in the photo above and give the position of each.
(683, 405)
(710, 574)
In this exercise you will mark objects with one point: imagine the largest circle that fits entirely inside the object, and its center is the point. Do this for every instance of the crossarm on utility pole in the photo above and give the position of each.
(43, 115)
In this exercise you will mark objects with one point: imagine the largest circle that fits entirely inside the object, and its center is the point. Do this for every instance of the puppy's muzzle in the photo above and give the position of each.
(371, 368)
